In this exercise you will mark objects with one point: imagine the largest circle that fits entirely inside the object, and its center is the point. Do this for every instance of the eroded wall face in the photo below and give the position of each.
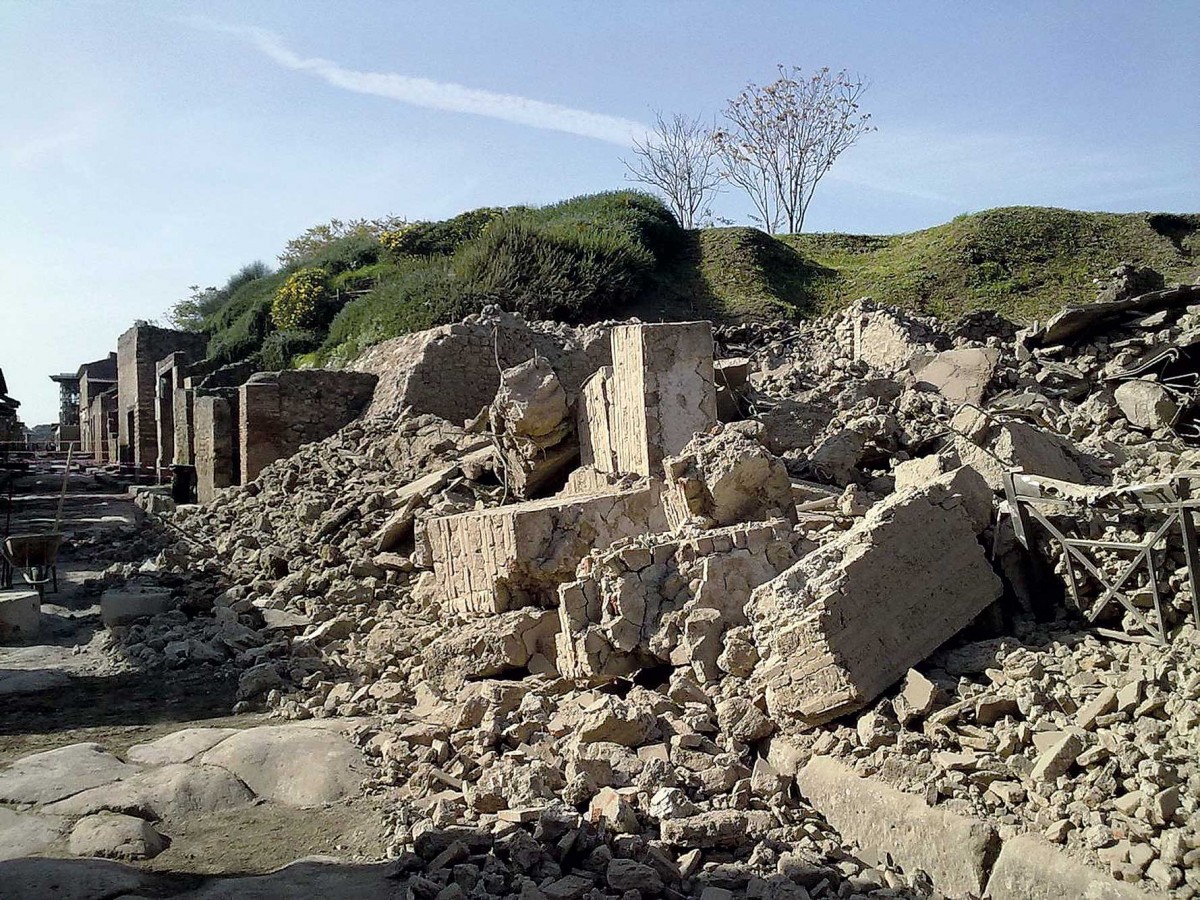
(281, 411)
(138, 353)
(215, 446)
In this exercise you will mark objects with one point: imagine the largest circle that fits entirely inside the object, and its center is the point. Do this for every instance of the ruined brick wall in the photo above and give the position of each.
(94, 379)
(453, 371)
(138, 351)
(215, 444)
(281, 411)
(197, 380)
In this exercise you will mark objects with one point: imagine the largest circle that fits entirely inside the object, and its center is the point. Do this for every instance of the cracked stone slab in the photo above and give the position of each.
(24, 834)
(296, 765)
(55, 774)
(178, 747)
(175, 792)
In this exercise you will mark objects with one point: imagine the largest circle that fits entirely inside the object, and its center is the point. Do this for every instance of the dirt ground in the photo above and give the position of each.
(73, 685)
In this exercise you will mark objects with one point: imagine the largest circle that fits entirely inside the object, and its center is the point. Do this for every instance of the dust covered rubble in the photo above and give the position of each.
(645, 712)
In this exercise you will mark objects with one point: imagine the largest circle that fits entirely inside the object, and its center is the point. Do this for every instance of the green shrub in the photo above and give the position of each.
(298, 301)
(438, 238)
(280, 347)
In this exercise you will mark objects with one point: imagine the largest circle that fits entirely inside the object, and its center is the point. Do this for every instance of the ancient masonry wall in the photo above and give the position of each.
(215, 443)
(199, 380)
(138, 351)
(94, 379)
(281, 411)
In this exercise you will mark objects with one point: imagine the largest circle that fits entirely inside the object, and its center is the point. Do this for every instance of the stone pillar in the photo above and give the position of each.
(662, 392)
(183, 416)
(214, 446)
(260, 424)
(164, 402)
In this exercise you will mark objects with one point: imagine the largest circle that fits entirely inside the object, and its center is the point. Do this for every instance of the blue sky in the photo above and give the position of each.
(149, 146)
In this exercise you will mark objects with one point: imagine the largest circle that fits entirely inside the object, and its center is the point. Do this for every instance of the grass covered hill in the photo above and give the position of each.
(622, 253)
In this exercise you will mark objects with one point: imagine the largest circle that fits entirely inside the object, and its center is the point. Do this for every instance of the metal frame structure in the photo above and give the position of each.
(1032, 500)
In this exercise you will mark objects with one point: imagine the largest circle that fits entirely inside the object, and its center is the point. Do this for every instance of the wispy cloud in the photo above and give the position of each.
(54, 141)
(440, 94)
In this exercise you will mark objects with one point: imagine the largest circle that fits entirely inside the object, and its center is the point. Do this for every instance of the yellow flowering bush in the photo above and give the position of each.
(297, 302)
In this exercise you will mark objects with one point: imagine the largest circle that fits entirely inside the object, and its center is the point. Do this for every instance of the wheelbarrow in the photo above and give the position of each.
(35, 556)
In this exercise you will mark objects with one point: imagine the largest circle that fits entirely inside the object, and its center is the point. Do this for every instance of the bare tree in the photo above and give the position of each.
(781, 139)
(678, 157)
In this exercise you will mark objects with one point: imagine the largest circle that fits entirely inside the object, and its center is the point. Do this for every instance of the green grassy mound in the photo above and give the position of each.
(622, 253)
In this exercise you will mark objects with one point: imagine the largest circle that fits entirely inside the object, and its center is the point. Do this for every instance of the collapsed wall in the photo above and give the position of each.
(453, 371)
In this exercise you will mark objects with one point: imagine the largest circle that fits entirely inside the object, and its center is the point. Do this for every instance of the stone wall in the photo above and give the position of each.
(200, 379)
(281, 411)
(94, 379)
(216, 443)
(99, 423)
(138, 351)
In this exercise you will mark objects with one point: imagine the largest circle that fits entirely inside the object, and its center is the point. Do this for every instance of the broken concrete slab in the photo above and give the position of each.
(725, 477)
(849, 619)
(1075, 322)
(122, 606)
(956, 851)
(1031, 868)
(497, 645)
(295, 765)
(530, 419)
(20, 615)
(501, 559)
(993, 447)
(962, 375)
(666, 598)
(54, 774)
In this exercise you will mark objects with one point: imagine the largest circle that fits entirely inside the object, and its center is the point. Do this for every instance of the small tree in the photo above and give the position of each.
(678, 157)
(781, 139)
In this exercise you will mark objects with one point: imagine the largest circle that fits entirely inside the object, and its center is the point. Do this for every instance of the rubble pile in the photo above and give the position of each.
(634, 672)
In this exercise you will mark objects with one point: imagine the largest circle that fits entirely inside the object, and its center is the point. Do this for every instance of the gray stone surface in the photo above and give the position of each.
(115, 836)
(957, 852)
(54, 774)
(307, 879)
(175, 792)
(74, 879)
(23, 834)
(178, 747)
(1030, 868)
(296, 765)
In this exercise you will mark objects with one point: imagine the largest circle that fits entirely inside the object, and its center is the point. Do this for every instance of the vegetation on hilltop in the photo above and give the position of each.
(623, 253)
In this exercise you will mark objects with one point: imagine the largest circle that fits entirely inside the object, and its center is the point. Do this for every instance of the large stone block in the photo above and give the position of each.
(992, 447)
(20, 615)
(215, 445)
(663, 392)
(1031, 868)
(120, 607)
(957, 852)
(512, 556)
(849, 619)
